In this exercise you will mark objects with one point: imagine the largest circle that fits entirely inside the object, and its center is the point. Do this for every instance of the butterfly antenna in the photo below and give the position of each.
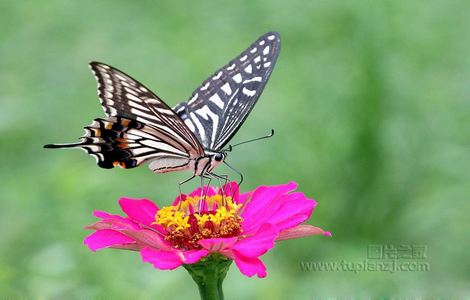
(236, 171)
(230, 147)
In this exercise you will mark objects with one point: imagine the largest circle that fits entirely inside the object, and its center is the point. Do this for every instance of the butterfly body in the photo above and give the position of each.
(139, 127)
(201, 166)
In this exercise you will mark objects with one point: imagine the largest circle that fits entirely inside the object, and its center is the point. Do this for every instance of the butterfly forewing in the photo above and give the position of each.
(121, 95)
(218, 107)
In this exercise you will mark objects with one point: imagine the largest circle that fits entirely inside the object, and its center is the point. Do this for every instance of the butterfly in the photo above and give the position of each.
(139, 127)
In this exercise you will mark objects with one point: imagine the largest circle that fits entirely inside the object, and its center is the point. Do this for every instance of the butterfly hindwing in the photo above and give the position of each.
(118, 141)
(218, 107)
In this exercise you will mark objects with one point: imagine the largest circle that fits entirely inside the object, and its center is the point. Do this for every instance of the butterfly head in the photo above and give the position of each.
(213, 159)
(220, 156)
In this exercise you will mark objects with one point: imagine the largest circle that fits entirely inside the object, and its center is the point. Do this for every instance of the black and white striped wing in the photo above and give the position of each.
(139, 127)
(127, 143)
(218, 107)
(123, 96)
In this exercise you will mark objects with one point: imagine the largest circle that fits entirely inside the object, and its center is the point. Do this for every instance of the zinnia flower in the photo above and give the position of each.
(241, 227)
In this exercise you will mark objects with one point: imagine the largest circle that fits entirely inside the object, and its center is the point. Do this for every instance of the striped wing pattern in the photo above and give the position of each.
(139, 127)
(123, 96)
(220, 105)
(119, 141)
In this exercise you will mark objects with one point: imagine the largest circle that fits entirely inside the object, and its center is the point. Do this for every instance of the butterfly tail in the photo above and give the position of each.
(64, 146)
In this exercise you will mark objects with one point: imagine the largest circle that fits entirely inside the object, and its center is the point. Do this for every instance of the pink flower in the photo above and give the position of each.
(242, 227)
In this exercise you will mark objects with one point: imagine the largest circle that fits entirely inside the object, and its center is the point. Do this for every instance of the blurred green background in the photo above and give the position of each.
(370, 101)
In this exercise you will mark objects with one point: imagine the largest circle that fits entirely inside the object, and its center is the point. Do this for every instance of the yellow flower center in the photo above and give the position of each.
(198, 218)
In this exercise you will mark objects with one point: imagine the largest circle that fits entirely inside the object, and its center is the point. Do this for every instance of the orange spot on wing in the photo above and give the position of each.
(120, 164)
(125, 122)
(122, 143)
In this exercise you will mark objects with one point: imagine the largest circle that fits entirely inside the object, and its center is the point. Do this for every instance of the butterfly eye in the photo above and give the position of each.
(218, 156)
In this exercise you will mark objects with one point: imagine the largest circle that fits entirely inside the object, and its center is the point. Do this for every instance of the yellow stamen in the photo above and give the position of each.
(186, 225)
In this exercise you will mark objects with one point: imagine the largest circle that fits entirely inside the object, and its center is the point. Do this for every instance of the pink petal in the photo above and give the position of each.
(300, 231)
(131, 247)
(103, 215)
(106, 238)
(259, 243)
(264, 202)
(208, 191)
(180, 197)
(193, 256)
(142, 211)
(148, 237)
(292, 201)
(99, 225)
(295, 209)
(242, 198)
(218, 244)
(287, 211)
(292, 221)
(113, 222)
(117, 220)
(250, 266)
(231, 189)
(162, 259)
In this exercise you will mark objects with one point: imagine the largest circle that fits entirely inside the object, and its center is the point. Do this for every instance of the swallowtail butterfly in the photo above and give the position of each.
(139, 127)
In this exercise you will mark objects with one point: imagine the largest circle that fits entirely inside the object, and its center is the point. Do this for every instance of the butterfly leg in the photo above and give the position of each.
(219, 178)
(183, 182)
(204, 190)
(236, 171)
(225, 178)
(202, 186)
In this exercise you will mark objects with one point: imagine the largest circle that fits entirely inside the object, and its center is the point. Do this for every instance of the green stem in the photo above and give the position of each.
(209, 274)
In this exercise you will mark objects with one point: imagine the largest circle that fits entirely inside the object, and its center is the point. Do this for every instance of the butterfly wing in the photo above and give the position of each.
(218, 107)
(123, 96)
(140, 127)
(119, 141)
